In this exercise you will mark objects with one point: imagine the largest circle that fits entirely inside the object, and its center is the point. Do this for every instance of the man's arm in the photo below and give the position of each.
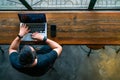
(54, 45)
(16, 42)
(14, 45)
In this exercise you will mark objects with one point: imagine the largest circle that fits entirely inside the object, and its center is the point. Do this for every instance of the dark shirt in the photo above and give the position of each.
(44, 63)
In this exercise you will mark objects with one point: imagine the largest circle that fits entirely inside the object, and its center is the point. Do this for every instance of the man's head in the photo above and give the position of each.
(27, 55)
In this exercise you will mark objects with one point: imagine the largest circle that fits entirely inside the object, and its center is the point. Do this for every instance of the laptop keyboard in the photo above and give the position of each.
(37, 28)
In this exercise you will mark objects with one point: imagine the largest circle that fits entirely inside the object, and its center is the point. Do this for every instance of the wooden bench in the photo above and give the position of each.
(73, 27)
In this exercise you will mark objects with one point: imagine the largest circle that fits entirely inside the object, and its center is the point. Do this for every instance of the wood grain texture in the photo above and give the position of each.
(72, 27)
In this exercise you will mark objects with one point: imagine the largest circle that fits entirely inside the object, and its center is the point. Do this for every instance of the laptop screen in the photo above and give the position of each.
(32, 18)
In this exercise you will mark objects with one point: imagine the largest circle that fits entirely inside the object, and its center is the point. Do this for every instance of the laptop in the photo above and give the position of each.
(36, 23)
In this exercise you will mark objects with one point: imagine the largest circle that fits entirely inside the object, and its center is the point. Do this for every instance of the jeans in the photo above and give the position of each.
(44, 49)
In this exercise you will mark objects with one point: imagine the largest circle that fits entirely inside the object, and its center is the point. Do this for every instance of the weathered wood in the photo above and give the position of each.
(72, 27)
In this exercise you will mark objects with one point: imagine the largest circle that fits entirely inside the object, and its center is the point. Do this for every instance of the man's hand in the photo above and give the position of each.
(37, 36)
(54, 45)
(16, 42)
(23, 30)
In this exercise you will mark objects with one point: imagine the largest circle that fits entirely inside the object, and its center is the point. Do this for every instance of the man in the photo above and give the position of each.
(30, 61)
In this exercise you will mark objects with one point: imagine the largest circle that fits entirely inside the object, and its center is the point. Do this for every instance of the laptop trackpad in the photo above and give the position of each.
(27, 37)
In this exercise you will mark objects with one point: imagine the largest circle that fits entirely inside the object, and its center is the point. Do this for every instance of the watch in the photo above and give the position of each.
(19, 36)
(44, 39)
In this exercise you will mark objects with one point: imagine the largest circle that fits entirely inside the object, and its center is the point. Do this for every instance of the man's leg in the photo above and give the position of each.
(44, 49)
(21, 46)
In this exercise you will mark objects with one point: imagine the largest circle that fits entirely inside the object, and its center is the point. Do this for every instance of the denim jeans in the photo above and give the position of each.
(44, 49)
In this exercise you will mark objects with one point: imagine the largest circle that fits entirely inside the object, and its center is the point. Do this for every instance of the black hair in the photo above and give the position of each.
(26, 56)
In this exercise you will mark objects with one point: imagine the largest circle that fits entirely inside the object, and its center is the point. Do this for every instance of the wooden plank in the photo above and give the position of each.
(72, 27)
